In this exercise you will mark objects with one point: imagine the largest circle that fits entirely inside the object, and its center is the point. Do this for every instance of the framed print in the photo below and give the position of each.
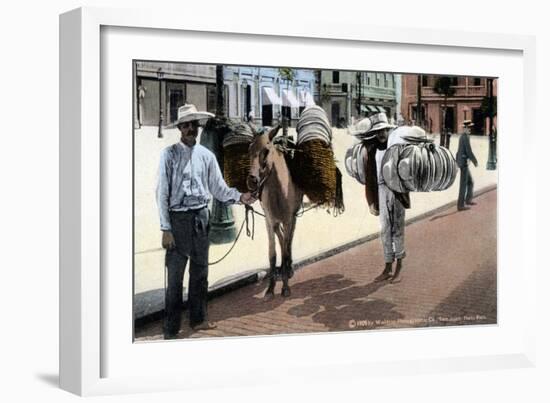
(134, 85)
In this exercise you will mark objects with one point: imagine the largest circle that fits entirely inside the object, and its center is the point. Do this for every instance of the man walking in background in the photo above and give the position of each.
(463, 156)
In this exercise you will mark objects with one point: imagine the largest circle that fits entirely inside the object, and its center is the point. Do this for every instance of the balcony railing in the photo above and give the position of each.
(368, 91)
(472, 91)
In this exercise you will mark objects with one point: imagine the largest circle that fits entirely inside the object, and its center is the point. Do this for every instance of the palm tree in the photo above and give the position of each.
(444, 87)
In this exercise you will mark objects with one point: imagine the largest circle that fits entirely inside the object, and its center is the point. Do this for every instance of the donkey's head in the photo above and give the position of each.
(261, 153)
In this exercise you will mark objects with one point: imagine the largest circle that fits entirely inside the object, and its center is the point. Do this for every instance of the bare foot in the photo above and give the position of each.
(386, 274)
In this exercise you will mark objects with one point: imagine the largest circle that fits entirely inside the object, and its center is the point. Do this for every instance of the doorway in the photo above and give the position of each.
(335, 114)
(450, 119)
(247, 94)
(267, 115)
(477, 119)
(175, 101)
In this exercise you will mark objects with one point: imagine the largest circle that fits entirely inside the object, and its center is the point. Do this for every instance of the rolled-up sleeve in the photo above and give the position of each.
(163, 192)
(217, 185)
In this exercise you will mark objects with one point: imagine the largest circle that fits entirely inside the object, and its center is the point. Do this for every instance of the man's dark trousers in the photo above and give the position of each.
(466, 190)
(190, 230)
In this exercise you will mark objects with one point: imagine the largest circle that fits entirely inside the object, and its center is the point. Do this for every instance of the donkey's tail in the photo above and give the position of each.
(339, 207)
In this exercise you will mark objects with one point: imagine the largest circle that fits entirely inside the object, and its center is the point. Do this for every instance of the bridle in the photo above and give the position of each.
(257, 194)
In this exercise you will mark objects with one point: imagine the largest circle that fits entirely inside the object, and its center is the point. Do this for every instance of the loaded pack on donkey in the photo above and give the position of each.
(279, 174)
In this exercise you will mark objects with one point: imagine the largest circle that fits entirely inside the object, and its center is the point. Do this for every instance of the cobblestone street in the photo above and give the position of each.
(449, 278)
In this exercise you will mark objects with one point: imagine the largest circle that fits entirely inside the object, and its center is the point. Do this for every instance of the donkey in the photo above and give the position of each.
(270, 180)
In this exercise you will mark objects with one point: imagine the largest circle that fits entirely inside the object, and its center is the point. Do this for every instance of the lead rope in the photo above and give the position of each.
(230, 249)
(249, 233)
(165, 281)
(249, 212)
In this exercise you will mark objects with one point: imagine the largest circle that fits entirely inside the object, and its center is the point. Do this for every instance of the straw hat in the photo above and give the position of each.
(467, 123)
(415, 135)
(380, 121)
(189, 113)
(360, 128)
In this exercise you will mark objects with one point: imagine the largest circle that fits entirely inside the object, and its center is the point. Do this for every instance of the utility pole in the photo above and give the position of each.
(419, 101)
(359, 95)
(492, 159)
(160, 76)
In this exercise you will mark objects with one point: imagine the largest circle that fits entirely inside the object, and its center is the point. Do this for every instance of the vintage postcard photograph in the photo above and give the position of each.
(276, 200)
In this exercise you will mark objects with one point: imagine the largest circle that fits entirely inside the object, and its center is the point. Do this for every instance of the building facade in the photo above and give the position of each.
(465, 103)
(347, 95)
(257, 93)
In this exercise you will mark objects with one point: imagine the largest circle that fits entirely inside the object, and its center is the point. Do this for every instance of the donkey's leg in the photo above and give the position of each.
(272, 275)
(281, 235)
(289, 237)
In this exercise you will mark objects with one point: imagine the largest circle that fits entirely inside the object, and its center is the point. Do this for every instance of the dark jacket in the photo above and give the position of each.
(371, 176)
(464, 152)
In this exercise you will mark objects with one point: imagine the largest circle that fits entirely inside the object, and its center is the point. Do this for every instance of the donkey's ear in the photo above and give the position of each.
(273, 132)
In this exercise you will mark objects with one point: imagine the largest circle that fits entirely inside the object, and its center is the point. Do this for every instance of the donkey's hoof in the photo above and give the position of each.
(269, 296)
(285, 292)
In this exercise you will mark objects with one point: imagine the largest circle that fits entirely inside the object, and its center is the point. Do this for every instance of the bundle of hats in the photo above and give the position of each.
(314, 168)
(417, 165)
(354, 162)
(236, 161)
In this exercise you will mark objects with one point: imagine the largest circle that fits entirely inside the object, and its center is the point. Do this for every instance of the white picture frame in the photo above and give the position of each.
(85, 309)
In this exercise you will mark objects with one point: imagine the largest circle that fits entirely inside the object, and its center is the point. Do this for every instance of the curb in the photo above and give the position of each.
(235, 282)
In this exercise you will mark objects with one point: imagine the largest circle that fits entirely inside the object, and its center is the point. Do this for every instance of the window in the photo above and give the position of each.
(386, 80)
(344, 87)
(368, 79)
(378, 80)
(454, 81)
(424, 81)
(336, 77)
(477, 81)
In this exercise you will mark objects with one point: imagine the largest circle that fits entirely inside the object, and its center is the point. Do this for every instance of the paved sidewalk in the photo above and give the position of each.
(449, 278)
(316, 232)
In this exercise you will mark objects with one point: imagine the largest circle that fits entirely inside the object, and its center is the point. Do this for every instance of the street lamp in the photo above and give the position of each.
(222, 224)
(160, 75)
(492, 160)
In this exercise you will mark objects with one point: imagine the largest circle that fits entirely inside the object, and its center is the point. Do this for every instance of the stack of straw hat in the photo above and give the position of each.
(314, 168)
(422, 167)
(354, 162)
(412, 163)
(313, 124)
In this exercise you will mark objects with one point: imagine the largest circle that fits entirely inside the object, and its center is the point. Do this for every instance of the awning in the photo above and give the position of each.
(269, 97)
(369, 108)
(289, 99)
(381, 109)
(306, 99)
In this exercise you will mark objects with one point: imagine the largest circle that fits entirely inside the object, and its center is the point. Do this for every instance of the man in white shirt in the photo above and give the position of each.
(189, 176)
